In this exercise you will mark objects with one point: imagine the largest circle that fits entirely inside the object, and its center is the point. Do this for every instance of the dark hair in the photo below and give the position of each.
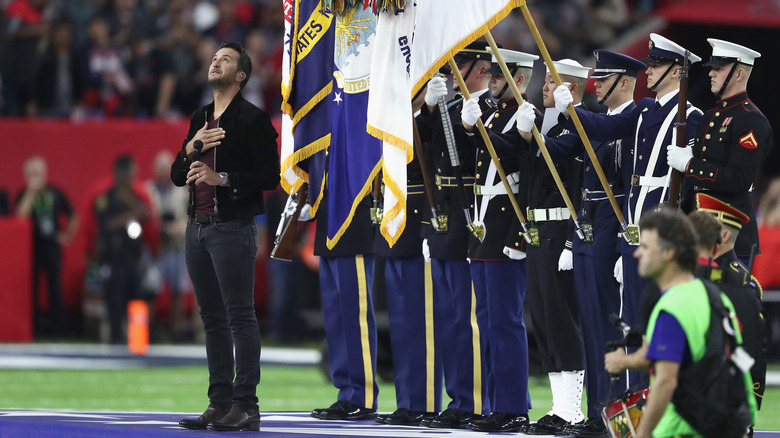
(675, 231)
(244, 61)
(123, 163)
(707, 227)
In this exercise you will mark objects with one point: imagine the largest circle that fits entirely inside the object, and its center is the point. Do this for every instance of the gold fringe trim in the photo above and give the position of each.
(287, 88)
(367, 187)
(482, 30)
(398, 209)
(291, 162)
(305, 109)
(395, 141)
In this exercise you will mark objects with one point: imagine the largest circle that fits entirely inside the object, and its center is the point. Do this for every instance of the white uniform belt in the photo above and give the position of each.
(648, 181)
(548, 214)
(499, 189)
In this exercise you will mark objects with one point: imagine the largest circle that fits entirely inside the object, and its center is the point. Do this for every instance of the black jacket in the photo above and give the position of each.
(248, 154)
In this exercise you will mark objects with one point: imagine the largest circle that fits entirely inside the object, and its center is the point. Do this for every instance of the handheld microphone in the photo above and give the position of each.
(618, 322)
(197, 145)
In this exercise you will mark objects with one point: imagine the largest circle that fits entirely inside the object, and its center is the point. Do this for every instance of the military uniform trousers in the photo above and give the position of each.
(502, 285)
(633, 284)
(598, 296)
(417, 369)
(350, 327)
(551, 302)
(458, 336)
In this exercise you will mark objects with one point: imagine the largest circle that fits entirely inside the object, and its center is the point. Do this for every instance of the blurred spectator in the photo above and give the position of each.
(78, 12)
(119, 215)
(154, 80)
(609, 17)
(126, 20)
(58, 84)
(176, 35)
(107, 84)
(256, 45)
(227, 28)
(769, 207)
(569, 21)
(170, 205)
(24, 26)
(45, 205)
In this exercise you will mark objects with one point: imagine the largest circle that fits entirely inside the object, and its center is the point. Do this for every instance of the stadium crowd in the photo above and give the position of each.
(144, 58)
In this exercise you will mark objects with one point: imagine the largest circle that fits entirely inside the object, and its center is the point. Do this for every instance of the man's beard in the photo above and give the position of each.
(219, 83)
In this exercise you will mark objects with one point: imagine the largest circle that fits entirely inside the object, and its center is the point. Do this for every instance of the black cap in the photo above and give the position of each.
(475, 51)
(609, 63)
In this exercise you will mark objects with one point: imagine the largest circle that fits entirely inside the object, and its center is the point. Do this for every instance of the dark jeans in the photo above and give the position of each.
(121, 283)
(48, 258)
(221, 263)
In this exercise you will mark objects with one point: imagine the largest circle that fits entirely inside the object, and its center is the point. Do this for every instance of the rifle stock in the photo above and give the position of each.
(675, 181)
(284, 247)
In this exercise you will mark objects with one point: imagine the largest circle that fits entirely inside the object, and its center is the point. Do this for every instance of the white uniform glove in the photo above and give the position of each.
(305, 214)
(426, 250)
(618, 271)
(437, 87)
(514, 254)
(565, 262)
(678, 158)
(526, 117)
(470, 112)
(563, 98)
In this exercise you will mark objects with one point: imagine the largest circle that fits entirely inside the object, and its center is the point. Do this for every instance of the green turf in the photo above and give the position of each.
(184, 390)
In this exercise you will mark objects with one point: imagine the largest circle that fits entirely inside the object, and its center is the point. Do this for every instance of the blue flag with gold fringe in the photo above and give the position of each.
(307, 85)
(354, 155)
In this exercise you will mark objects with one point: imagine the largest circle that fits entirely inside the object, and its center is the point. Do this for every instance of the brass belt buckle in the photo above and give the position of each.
(478, 230)
(633, 232)
(533, 234)
(477, 190)
(440, 223)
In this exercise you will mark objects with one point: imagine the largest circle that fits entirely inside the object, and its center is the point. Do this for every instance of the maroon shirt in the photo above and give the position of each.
(204, 193)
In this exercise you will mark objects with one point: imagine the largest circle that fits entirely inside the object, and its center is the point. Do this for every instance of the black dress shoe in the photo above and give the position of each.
(591, 428)
(498, 422)
(203, 421)
(547, 425)
(317, 412)
(405, 417)
(345, 410)
(237, 420)
(452, 419)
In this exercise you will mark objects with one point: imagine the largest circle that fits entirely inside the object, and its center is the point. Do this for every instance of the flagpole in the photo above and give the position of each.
(492, 151)
(537, 136)
(436, 221)
(577, 123)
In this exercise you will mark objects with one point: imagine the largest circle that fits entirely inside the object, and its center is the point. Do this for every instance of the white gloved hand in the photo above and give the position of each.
(526, 115)
(514, 254)
(678, 158)
(618, 271)
(426, 251)
(305, 214)
(470, 112)
(565, 261)
(563, 98)
(437, 87)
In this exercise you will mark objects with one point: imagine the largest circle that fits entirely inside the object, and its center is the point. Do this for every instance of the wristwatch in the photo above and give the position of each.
(224, 177)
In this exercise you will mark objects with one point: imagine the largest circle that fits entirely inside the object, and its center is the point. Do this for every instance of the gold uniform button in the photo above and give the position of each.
(415, 211)
(479, 163)
(701, 172)
(690, 170)
(477, 176)
(640, 157)
(717, 113)
(491, 126)
(703, 148)
(712, 124)
(439, 170)
(643, 140)
(519, 234)
(707, 136)
(497, 114)
(503, 208)
(631, 195)
(517, 243)
(711, 174)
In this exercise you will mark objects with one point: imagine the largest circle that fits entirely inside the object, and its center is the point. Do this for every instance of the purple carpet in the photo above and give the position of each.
(45, 424)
